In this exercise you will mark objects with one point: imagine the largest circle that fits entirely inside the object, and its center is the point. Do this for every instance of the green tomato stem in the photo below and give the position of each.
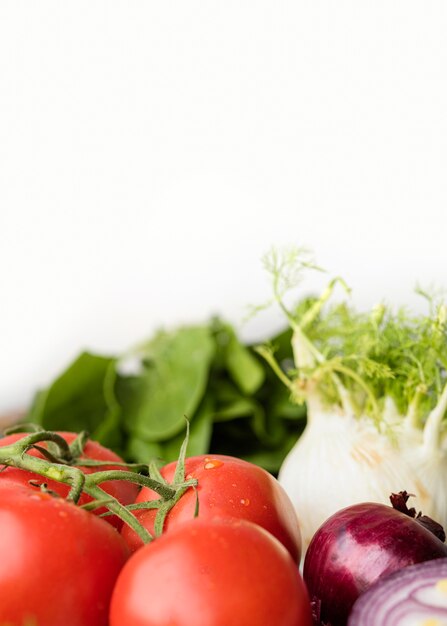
(44, 435)
(15, 455)
(162, 489)
(120, 511)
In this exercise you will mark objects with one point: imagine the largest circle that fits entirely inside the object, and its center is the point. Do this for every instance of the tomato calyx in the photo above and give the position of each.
(61, 463)
(180, 485)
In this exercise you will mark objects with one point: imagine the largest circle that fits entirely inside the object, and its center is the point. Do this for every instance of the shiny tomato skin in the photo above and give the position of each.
(211, 573)
(227, 488)
(122, 490)
(58, 563)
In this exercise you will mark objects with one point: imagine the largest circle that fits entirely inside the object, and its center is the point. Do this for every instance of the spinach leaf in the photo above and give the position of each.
(171, 386)
(199, 439)
(81, 399)
(235, 404)
(243, 367)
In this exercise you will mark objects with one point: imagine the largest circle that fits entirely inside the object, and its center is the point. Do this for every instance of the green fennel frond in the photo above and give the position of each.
(372, 355)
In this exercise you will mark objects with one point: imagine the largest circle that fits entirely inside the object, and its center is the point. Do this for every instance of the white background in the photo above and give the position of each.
(151, 152)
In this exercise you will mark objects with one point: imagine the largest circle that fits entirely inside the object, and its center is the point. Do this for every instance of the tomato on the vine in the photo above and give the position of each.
(211, 573)
(227, 488)
(58, 562)
(123, 490)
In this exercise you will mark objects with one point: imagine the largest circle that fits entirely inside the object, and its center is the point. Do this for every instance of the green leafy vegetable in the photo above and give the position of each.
(172, 384)
(243, 367)
(234, 404)
(81, 398)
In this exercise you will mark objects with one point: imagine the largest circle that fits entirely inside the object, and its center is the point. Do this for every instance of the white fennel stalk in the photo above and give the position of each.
(426, 452)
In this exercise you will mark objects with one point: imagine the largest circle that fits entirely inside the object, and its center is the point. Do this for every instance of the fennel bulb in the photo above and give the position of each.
(375, 387)
(340, 460)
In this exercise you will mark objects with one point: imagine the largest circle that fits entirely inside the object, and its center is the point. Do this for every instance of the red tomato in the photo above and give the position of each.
(122, 490)
(211, 573)
(227, 488)
(58, 562)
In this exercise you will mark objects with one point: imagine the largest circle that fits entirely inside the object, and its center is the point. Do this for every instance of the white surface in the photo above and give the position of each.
(150, 152)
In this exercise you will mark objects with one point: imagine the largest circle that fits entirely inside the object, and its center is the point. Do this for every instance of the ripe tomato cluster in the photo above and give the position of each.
(235, 563)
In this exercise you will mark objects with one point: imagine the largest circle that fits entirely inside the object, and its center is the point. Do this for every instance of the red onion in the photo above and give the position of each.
(357, 546)
(415, 596)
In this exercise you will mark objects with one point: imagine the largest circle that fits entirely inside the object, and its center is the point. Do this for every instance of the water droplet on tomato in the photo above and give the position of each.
(212, 463)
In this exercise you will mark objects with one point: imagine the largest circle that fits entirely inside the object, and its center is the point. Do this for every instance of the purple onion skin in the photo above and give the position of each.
(357, 546)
